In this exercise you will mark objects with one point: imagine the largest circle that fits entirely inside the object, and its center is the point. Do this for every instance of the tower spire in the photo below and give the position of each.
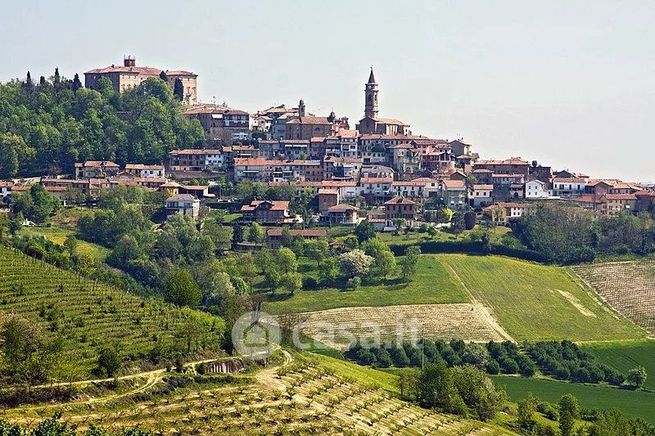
(371, 97)
(371, 77)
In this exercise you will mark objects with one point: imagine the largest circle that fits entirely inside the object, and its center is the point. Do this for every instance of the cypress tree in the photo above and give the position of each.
(76, 83)
(178, 89)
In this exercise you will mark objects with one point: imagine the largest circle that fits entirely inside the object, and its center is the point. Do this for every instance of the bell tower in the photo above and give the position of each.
(371, 96)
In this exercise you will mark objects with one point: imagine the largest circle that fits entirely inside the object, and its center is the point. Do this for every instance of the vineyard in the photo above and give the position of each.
(301, 397)
(399, 323)
(629, 287)
(88, 314)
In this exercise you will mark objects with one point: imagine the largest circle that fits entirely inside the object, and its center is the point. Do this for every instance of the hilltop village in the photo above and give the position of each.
(377, 170)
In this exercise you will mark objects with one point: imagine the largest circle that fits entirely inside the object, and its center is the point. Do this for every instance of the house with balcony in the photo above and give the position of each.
(184, 204)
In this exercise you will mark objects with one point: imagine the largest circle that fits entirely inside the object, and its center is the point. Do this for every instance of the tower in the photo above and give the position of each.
(301, 108)
(371, 96)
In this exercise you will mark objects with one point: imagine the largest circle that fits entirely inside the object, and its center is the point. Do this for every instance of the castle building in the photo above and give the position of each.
(372, 123)
(130, 76)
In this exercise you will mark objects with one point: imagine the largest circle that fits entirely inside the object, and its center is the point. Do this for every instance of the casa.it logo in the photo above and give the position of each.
(256, 335)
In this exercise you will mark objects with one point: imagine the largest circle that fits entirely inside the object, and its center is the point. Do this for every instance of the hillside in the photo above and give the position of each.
(306, 395)
(494, 297)
(90, 315)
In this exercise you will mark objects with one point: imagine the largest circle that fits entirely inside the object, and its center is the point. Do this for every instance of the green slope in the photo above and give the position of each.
(90, 315)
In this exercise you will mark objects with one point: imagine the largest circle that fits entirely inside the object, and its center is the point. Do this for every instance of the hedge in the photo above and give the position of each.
(471, 247)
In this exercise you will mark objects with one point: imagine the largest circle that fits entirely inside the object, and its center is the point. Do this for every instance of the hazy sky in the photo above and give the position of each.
(568, 83)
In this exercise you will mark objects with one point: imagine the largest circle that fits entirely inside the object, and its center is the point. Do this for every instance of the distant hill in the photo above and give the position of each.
(90, 315)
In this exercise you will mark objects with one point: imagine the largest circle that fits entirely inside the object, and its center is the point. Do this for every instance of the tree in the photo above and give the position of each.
(637, 377)
(182, 289)
(477, 391)
(408, 263)
(527, 408)
(569, 411)
(77, 84)
(109, 361)
(291, 282)
(437, 390)
(364, 231)
(329, 271)
(469, 220)
(384, 262)
(256, 233)
(286, 240)
(28, 356)
(163, 76)
(317, 250)
(178, 89)
(355, 263)
(457, 224)
(237, 234)
(70, 244)
(286, 260)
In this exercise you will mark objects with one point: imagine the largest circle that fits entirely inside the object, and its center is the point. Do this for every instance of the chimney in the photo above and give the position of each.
(129, 61)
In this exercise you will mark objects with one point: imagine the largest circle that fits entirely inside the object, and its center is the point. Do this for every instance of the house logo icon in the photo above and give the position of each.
(256, 335)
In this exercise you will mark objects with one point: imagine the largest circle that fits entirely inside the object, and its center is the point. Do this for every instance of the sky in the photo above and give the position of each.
(570, 84)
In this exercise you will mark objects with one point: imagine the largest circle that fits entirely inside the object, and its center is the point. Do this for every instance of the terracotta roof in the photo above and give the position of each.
(181, 197)
(615, 197)
(99, 163)
(569, 180)
(143, 167)
(309, 120)
(454, 184)
(483, 187)
(374, 136)
(510, 161)
(326, 191)
(317, 233)
(275, 205)
(390, 121)
(195, 151)
(252, 161)
(342, 207)
(370, 180)
(338, 184)
(6, 183)
(141, 71)
(398, 200)
(180, 73)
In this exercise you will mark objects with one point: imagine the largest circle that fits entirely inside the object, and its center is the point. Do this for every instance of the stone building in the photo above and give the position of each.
(130, 76)
(372, 123)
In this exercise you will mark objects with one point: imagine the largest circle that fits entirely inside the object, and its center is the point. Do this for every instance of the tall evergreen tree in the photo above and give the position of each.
(28, 82)
(76, 83)
(163, 76)
(57, 77)
(178, 89)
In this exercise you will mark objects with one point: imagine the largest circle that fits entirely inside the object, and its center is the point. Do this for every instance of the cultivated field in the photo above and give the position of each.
(336, 327)
(632, 403)
(88, 314)
(629, 287)
(624, 356)
(432, 284)
(304, 396)
(534, 302)
(58, 235)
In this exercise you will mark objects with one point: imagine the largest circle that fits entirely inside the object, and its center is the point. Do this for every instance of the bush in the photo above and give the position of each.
(309, 282)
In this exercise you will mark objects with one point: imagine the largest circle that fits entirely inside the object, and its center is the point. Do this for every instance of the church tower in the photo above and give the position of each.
(371, 95)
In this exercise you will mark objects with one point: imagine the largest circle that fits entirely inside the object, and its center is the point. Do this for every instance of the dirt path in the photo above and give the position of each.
(267, 377)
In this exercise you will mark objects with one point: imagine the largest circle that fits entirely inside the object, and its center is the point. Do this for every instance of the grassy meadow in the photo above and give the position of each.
(432, 284)
(537, 302)
(58, 235)
(626, 355)
(632, 403)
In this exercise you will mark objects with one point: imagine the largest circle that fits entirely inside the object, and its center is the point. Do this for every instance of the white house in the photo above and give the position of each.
(5, 188)
(481, 195)
(536, 190)
(567, 187)
(186, 204)
(145, 171)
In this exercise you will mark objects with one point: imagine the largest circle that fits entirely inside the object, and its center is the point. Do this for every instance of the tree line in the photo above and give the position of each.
(47, 126)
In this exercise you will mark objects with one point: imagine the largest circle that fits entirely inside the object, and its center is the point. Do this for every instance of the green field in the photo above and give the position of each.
(623, 356)
(58, 235)
(89, 315)
(534, 302)
(632, 403)
(432, 284)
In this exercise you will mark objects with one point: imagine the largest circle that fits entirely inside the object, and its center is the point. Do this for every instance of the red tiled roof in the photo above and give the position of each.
(317, 233)
(399, 200)
(188, 151)
(370, 180)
